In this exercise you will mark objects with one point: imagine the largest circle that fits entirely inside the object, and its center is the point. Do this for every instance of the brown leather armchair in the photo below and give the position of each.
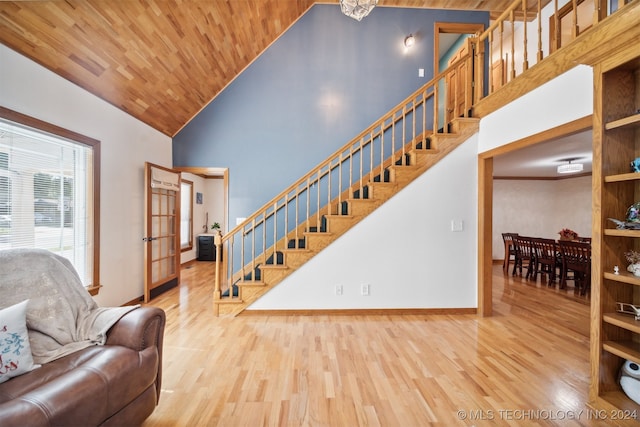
(116, 384)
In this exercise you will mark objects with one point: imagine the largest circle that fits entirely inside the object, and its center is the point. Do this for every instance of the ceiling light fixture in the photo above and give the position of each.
(570, 167)
(409, 41)
(357, 9)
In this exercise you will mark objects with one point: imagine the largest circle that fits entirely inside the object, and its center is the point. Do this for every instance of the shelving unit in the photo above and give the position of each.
(615, 337)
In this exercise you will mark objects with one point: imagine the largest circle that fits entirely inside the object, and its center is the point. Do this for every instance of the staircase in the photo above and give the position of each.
(311, 237)
(338, 193)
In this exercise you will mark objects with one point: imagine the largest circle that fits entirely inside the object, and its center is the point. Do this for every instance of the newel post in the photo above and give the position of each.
(217, 241)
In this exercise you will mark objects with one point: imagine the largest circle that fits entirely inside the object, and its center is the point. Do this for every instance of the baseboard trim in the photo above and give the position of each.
(361, 312)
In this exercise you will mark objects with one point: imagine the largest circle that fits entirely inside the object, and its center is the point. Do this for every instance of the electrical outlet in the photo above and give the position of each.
(365, 290)
(338, 289)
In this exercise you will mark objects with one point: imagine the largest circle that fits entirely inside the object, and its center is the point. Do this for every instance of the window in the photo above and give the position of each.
(48, 197)
(186, 215)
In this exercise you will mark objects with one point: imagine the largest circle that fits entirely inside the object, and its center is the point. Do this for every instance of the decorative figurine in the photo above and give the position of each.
(632, 218)
(616, 269)
(626, 308)
(635, 165)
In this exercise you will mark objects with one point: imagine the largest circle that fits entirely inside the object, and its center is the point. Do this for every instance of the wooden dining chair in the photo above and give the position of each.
(546, 260)
(509, 251)
(576, 265)
(524, 255)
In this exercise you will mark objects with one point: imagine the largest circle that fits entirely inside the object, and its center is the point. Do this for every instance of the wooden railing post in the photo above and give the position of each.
(217, 241)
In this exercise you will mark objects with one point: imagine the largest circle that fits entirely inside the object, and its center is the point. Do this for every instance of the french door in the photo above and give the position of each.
(162, 229)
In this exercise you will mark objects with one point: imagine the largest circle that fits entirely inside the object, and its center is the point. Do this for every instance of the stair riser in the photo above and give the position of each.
(361, 208)
(339, 224)
(461, 125)
(316, 243)
(404, 175)
(383, 191)
(296, 259)
(275, 275)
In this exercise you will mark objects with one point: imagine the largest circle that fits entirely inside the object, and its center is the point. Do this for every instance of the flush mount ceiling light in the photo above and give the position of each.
(570, 167)
(409, 41)
(357, 9)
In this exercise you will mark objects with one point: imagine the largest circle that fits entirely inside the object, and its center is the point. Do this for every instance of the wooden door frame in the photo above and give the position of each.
(451, 28)
(209, 173)
(485, 202)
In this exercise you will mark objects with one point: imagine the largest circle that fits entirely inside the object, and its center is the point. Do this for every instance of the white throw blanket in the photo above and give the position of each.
(61, 315)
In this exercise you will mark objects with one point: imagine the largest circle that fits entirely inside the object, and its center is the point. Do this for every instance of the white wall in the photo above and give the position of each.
(197, 216)
(566, 98)
(214, 203)
(540, 208)
(211, 210)
(126, 144)
(405, 250)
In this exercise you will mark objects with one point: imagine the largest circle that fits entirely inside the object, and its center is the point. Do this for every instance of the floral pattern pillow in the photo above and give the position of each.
(15, 351)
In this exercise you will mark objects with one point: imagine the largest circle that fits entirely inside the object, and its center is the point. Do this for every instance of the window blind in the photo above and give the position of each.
(46, 195)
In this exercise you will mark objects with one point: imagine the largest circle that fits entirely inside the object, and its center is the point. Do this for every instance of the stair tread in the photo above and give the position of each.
(297, 250)
(369, 200)
(227, 300)
(273, 266)
(250, 283)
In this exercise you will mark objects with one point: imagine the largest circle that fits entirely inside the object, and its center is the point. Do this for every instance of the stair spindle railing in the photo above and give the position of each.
(261, 240)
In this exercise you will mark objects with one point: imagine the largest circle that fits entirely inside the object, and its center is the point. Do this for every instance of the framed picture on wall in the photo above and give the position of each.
(199, 198)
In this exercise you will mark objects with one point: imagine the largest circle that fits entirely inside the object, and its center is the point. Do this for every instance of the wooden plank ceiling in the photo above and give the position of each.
(161, 61)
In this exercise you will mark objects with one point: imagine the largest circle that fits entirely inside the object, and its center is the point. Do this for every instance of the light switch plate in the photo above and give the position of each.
(457, 225)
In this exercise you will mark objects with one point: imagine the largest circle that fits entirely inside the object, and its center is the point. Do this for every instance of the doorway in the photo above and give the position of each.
(210, 203)
(486, 199)
(453, 42)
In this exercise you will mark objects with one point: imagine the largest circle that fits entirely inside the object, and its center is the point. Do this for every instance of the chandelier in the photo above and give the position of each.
(357, 9)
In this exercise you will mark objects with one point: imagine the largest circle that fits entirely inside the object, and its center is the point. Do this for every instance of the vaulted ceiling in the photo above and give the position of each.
(161, 61)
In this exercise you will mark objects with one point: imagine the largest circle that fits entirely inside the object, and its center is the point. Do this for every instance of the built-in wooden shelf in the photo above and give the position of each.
(632, 176)
(624, 277)
(629, 350)
(624, 321)
(620, 232)
(633, 120)
(612, 401)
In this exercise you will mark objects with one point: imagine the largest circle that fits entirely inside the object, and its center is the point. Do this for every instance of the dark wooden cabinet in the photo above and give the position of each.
(206, 249)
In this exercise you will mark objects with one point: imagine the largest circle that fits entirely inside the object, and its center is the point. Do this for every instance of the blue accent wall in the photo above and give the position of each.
(315, 88)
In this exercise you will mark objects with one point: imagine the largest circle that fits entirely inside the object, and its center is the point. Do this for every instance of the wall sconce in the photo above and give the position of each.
(409, 41)
(570, 167)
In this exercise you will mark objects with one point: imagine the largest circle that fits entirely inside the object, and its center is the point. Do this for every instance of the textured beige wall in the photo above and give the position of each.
(540, 208)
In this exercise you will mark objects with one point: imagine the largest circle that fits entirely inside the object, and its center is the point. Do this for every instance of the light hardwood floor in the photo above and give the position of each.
(526, 365)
